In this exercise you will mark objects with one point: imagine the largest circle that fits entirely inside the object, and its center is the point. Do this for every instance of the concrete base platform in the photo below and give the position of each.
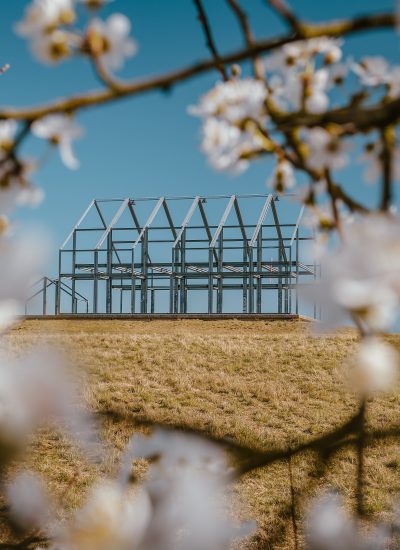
(173, 317)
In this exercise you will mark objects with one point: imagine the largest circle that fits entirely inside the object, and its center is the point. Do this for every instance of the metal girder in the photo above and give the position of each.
(134, 217)
(169, 218)
(279, 230)
(78, 223)
(297, 226)
(116, 217)
(240, 220)
(149, 221)
(222, 221)
(100, 214)
(261, 219)
(186, 221)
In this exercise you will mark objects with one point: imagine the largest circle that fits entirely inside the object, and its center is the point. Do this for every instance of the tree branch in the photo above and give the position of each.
(387, 137)
(379, 114)
(285, 12)
(210, 40)
(244, 24)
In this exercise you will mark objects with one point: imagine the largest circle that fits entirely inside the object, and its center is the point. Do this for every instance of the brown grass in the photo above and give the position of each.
(264, 384)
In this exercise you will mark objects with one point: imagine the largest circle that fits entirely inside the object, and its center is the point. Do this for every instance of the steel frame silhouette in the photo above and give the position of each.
(132, 266)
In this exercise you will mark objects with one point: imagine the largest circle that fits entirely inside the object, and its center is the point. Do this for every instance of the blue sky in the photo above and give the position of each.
(149, 145)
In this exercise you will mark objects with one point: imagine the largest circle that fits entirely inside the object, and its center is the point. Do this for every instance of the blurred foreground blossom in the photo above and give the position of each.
(43, 16)
(371, 159)
(326, 150)
(179, 506)
(41, 24)
(110, 41)
(60, 130)
(283, 178)
(375, 366)
(16, 190)
(29, 502)
(372, 71)
(38, 389)
(329, 527)
(23, 258)
(362, 275)
(112, 517)
(298, 54)
(8, 129)
(187, 487)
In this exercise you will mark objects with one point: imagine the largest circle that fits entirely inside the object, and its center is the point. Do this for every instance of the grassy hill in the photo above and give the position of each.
(263, 384)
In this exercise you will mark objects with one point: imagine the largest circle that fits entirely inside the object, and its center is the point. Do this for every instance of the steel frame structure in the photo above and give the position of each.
(143, 265)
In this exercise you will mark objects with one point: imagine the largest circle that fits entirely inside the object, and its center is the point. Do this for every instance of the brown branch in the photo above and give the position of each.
(209, 39)
(387, 137)
(285, 12)
(104, 77)
(244, 24)
(354, 119)
(335, 190)
(381, 114)
(360, 458)
(333, 197)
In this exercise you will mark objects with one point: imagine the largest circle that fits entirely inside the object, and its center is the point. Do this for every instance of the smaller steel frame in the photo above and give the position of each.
(132, 264)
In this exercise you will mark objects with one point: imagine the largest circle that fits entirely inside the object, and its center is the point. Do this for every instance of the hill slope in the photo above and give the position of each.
(263, 384)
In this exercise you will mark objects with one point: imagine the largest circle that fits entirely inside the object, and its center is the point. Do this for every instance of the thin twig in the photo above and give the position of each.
(104, 77)
(387, 161)
(244, 24)
(333, 197)
(285, 12)
(209, 39)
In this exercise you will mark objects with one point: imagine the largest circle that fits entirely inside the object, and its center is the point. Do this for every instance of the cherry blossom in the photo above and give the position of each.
(372, 71)
(393, 83)
(283, 177)
(8, 129)
(310, 90)
(60, 130)
(294, 90)
(112, 517)
(361, 276)
(326, 150)
(53, 47)
(330, 527)
(28, 501)
(375, 366)
(110, 41)
(233, 101)
(337, 73)
(226, 145)
(9, 310)
(187, 487)
(297, 54)
(43, 16)
(225, 111)
(15, 188)
(371, 159)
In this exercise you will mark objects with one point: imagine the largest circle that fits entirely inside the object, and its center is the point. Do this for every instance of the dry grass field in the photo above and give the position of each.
(263, 384)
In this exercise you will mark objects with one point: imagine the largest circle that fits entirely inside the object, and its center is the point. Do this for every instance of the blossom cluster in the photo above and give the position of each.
(50, 27)
(240, 115)
(179, 506)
